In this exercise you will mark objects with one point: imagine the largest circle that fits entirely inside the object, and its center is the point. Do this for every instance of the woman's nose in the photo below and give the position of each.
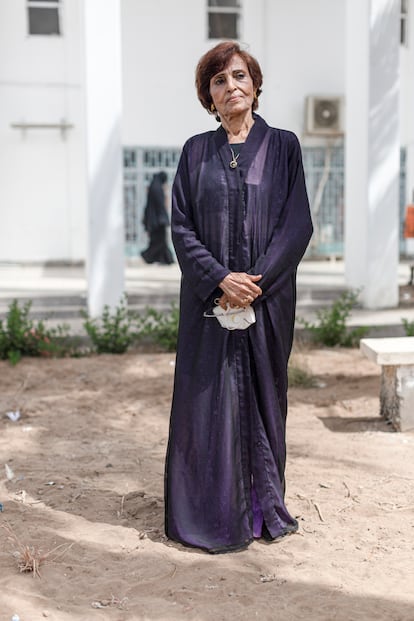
(231, 84)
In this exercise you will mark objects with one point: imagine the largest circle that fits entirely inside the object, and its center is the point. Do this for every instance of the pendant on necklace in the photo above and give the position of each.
(233, 161)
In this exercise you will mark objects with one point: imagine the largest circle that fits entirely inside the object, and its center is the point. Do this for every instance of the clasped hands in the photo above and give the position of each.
(239, 289)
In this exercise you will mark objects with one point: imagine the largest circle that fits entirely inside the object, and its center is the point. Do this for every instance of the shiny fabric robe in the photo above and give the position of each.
(224, 478)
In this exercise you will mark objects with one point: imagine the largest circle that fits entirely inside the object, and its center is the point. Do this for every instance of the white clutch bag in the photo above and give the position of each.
(233, 318)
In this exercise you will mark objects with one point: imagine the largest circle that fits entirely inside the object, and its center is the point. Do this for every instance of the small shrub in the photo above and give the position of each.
(331, 329)
(112, 333)
(408, 327)
(299, 373)
(300, 377)
(20, 336)
(159, 327)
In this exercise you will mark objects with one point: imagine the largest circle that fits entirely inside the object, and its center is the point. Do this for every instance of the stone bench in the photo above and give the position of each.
(396, 357)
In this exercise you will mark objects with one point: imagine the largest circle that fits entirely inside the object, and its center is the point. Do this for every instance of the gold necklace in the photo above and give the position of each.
(233, 161)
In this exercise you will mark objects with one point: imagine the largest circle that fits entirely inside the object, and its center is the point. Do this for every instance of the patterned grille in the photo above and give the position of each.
(140, 164)
(324, 171)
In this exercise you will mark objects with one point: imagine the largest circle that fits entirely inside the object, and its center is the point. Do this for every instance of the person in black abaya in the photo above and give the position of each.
(156, 221)
(240, 226)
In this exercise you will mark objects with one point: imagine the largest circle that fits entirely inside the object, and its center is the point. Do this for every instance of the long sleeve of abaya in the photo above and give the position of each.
(291, 234)
(199, 267)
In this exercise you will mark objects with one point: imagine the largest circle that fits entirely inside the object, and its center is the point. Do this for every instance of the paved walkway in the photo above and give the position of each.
(59, 291)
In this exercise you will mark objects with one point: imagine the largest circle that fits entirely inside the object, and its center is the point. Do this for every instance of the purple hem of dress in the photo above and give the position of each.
(257, 515)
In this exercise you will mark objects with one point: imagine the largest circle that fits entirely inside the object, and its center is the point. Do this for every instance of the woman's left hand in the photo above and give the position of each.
(239, 289)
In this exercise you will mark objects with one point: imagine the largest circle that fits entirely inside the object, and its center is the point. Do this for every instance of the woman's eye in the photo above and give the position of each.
(219, 81)
(240, 75)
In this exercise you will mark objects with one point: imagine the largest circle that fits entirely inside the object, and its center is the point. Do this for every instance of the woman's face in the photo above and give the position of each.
(232, 89)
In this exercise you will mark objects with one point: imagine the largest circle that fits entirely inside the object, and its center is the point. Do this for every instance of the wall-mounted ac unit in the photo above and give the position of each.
(324, 115)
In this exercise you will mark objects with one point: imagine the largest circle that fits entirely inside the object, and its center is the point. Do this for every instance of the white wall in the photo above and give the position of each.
(162, 42)
(407, 103)
(305, 56)
(41, 189)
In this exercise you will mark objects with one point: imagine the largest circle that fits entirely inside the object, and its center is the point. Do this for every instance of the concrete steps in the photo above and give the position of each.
(55, 309)
(58, 293)
(67, 308)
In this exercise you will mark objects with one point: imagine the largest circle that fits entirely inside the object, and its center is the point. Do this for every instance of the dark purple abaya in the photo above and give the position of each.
(226, 452)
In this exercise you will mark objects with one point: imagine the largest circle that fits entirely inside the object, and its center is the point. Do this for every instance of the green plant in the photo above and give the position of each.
(408, 327)
(112, 332)
(331, 329)
(21, 336)
(299, 373)
(160, 327)
(300, 377)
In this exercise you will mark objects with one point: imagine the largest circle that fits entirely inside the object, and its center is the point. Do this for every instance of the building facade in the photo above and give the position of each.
(300, 45)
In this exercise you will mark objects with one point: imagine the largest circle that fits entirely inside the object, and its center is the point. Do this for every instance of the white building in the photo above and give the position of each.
(60, 100)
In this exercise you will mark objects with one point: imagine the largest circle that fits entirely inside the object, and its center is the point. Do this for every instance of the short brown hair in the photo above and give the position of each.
(215, 60)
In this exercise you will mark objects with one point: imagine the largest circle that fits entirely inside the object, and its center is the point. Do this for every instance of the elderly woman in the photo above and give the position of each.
(240, 226)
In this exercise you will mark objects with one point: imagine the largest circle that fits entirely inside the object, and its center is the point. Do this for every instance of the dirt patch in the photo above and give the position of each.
(87, 460)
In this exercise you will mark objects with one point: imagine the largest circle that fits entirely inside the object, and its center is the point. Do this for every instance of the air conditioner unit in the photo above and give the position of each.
(324, 115)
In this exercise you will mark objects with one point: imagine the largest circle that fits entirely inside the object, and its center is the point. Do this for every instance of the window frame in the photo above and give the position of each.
(229, 10)
(45, 4)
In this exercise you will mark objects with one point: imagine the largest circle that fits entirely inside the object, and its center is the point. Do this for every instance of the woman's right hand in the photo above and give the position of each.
(240, 289)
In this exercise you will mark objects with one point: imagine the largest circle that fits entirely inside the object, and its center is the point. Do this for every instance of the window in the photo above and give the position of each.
(140, 163)
(404, 23)
(43, 17)
(223, 19)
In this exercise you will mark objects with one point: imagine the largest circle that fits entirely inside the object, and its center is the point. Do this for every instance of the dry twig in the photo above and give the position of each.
(114, 601)
(29, 559)
(121, 511)
(315, 504)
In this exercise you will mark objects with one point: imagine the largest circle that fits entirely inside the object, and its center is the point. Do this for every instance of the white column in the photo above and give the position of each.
(372, 150)
(407, 96)
(103, 107)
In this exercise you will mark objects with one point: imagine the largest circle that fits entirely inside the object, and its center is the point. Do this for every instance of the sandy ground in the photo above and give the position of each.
(87, 474)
